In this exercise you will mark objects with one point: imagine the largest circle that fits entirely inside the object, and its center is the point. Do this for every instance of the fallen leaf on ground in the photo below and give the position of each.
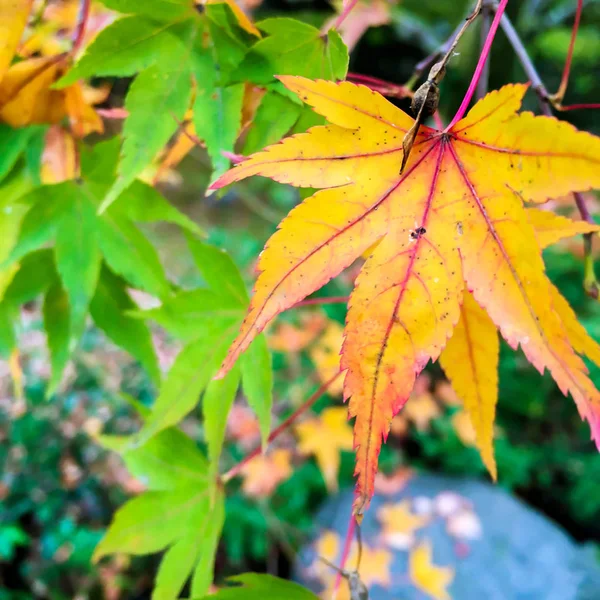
(421, 410)
(461, 422)
(292, 338)
(464, 524)
(325, 437)
(399, 523)
(455, 217)
(430, 579)
(265, 472)
(389, 485)
(326, 356)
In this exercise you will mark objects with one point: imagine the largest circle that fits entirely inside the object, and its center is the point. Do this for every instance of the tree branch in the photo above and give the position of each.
(591, 285)
(562, 88)
(82, 19)
(484, 82)
(237, 469)
(480, 64)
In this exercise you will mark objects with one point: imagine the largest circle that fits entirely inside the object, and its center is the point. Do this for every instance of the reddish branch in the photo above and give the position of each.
(82, 19)
(345, 551)
(591, 285)
(385, 88)
(562, 88)
(329, 300)
(237, 469)
(480, 64)
(346, 10)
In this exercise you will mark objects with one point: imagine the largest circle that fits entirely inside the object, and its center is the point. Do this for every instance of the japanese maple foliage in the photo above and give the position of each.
(454, 220)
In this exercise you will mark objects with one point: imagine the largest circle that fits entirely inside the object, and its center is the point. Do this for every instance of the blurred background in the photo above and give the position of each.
(59, 488)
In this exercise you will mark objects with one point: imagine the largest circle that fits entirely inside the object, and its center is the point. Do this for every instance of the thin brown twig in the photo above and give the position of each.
(238, 468)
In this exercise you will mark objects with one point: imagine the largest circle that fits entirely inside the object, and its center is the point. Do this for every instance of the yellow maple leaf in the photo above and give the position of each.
(375, 564)
(430, 579)
(470, 359)
(325, 437)
(26, 97)
(13, 18)
(453, 219)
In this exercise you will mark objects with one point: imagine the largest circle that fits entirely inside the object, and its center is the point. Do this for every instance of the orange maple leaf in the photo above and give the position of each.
(454, 215)
(26, 96)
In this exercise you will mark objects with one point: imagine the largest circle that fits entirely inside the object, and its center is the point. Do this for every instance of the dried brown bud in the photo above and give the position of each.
(428, 97)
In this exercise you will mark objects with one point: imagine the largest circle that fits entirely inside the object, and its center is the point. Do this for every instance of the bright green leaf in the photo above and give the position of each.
(108, 309)
(39, 225)
(253, 586)
(156, 9)
(154, 520)
(36, 273)
(217, 119)
(12, 144)
(78, 259)
(209, 540)
(275, 116)
(175, 568)
(198, 548)
(216, 404)
(129, 46)
(57, 325)
(294, 48)
(8, 339)
(193, 368)
(144, 204)
(168, 460)
(219, 271)
(156, 103)
(229, 42)
(257, 381)
(192, 313)
(129, 253)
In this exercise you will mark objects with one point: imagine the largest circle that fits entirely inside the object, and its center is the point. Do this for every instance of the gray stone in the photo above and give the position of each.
(520, 555)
